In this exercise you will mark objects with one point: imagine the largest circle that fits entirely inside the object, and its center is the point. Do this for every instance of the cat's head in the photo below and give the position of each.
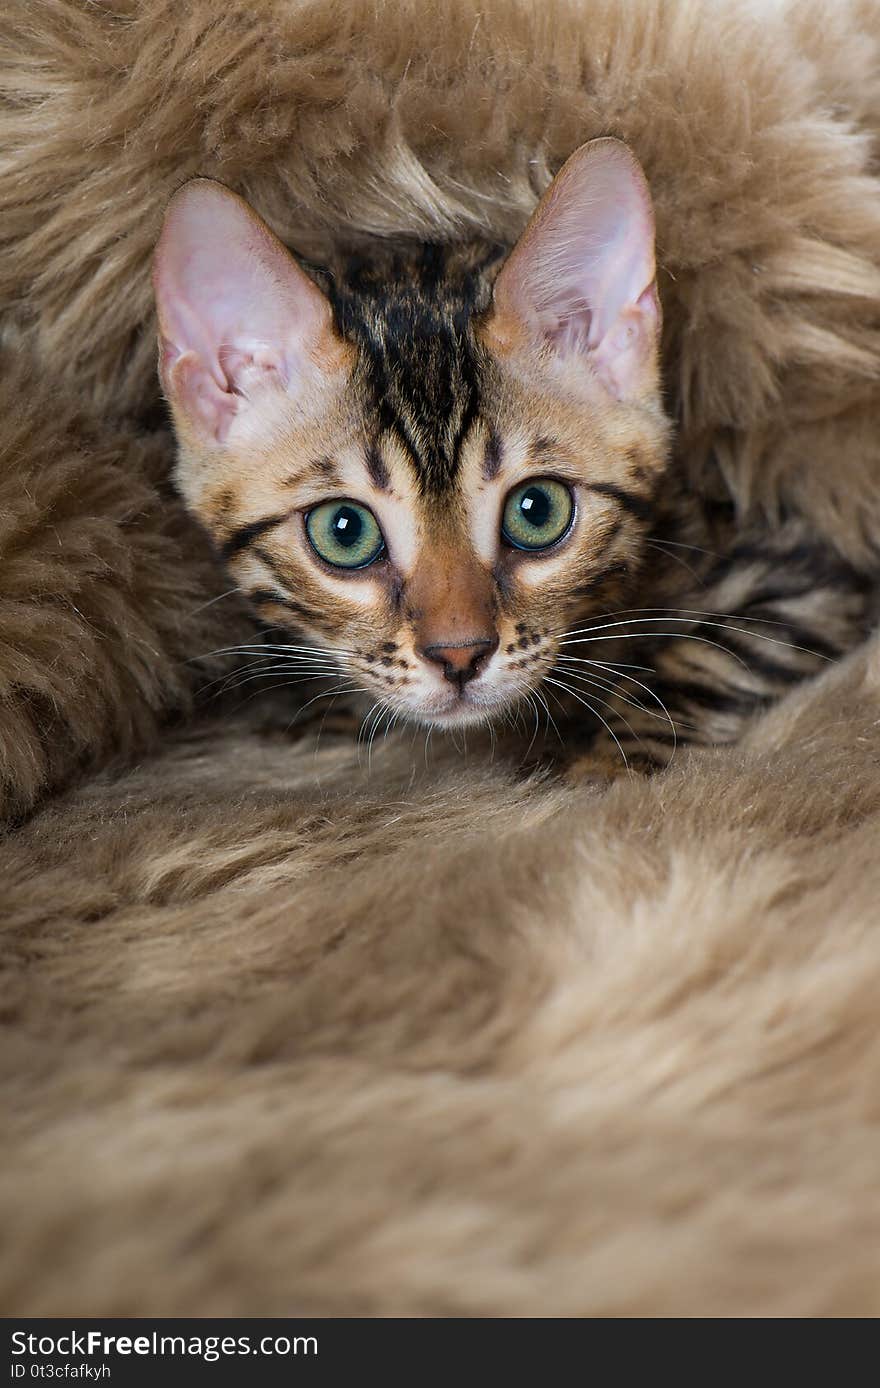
(429, 467)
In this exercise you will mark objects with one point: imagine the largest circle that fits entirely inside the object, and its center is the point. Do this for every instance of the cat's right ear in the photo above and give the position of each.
(237, 316)
(580, 283)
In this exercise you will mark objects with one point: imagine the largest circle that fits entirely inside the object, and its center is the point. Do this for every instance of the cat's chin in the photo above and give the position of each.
(461, 713)
(456, 718)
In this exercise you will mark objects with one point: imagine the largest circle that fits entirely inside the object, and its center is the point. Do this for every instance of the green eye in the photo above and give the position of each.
(537, 514)
(344, 534)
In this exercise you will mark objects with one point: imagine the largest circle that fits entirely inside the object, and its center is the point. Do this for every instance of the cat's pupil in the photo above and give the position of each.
(535, 507)
(347, 527)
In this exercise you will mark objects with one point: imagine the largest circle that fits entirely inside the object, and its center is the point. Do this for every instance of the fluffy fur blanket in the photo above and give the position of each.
(291, 1033)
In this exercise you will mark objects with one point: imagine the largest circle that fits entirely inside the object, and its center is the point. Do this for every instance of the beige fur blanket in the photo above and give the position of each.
(291, 1031)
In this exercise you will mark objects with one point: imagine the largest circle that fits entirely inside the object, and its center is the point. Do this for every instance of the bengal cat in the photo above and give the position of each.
(445, 471)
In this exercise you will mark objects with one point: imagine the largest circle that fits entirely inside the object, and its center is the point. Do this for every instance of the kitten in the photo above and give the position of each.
(446, 469)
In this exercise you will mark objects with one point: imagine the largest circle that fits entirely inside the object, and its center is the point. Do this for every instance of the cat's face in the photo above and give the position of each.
(435, 469)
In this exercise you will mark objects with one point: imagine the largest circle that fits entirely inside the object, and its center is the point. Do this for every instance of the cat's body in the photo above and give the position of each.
(397, 401)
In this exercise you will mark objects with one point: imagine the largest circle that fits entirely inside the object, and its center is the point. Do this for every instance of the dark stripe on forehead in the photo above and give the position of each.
(377, 469)
(409, 312)
(323, 470)
(492, 458)
(544, 446)
(468, 417)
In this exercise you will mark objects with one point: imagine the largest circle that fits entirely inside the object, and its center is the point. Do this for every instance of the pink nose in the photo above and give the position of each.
(464, 660)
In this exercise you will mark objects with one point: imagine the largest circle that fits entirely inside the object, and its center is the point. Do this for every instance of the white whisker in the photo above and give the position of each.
(588, 704)
(551, 721)
(664, 716)
(661, 546)
(650, 692)
(678, 635)
(262, 647)
(325, 694)
(679, 615)
(219, 598)
(232, 679)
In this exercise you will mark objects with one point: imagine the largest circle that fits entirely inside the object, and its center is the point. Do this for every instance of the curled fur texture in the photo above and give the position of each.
(294, 1037)
(289, 1035)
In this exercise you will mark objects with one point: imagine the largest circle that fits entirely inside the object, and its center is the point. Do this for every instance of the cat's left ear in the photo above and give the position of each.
(581, 280)
(237, 315)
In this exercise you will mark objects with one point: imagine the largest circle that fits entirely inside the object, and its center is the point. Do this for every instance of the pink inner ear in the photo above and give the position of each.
(582, 275)
(209, 406)
(232, 302)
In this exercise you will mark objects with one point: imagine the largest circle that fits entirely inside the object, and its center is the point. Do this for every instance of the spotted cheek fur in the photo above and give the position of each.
(388, 666)
(532, 623)
(526, 653)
